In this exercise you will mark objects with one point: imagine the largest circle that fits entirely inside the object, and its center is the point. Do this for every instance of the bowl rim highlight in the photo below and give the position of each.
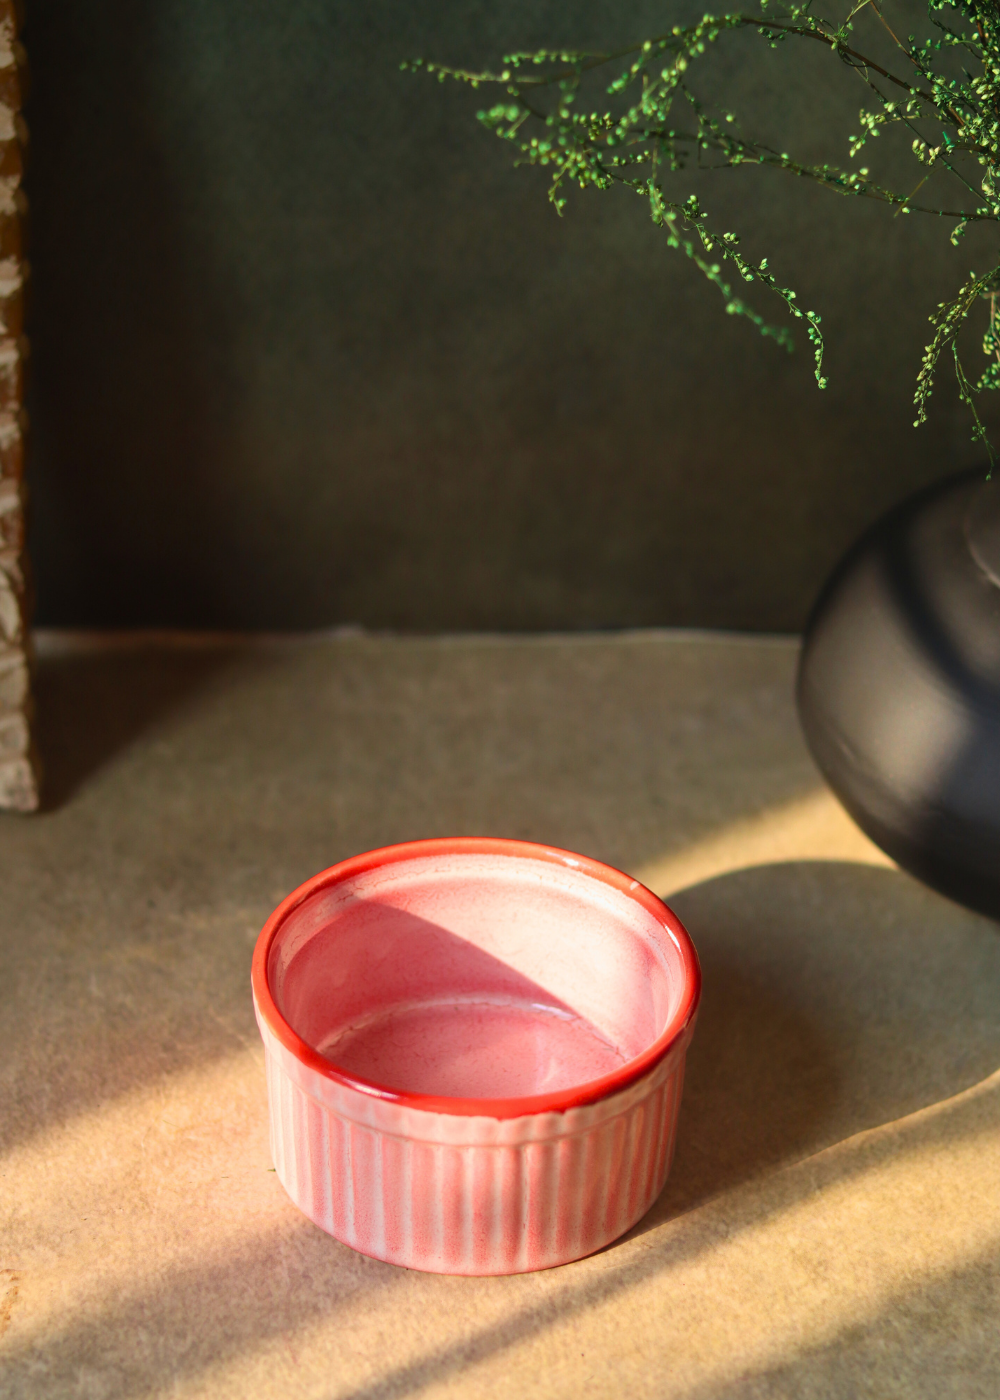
(559, 1101)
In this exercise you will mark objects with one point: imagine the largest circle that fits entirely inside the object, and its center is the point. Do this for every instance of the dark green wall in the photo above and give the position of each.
(307, 351)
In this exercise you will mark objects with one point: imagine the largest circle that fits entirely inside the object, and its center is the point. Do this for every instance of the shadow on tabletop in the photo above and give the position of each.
(935, 1338)
(578, 1288)
(193, 1317)
(93, 702)
(837, 997)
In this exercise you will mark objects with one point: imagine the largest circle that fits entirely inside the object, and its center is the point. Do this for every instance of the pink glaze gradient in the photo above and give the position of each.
(475, 1051)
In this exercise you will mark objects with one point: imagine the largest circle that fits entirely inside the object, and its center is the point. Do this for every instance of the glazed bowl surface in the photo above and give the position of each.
(475, 1051)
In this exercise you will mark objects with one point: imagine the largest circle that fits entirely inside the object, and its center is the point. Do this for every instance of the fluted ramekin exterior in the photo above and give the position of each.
(459, 1194)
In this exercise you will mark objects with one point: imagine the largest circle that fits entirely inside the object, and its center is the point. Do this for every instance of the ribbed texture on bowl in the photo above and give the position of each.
(470, 1195)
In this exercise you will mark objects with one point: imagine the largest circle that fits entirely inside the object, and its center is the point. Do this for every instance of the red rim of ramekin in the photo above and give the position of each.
(557, 1102)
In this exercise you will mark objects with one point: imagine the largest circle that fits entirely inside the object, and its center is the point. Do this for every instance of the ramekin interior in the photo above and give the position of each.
(476, 931)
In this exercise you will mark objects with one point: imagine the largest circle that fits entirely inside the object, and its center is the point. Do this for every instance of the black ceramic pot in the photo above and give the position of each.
(899, 687)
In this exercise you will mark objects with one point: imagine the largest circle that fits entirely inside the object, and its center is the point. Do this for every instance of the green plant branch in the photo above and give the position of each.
(601, 149)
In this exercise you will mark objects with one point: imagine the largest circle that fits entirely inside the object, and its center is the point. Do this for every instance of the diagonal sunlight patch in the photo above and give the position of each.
(150, 1239)
(156, 1252)
(814, 827)
(163, 1171)
(736, 1286)
(258, 1298)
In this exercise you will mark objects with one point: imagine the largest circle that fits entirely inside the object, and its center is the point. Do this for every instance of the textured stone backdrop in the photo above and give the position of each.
(306, 350)
(18, 771)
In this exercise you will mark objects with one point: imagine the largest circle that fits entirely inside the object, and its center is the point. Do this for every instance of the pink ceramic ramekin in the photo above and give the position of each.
(475, 1051)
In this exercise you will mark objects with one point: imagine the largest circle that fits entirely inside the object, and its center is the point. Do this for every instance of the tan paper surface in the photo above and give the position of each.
(832, 1223)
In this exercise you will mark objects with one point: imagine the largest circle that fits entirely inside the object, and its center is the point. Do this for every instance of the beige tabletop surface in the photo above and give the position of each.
(831, 1227)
